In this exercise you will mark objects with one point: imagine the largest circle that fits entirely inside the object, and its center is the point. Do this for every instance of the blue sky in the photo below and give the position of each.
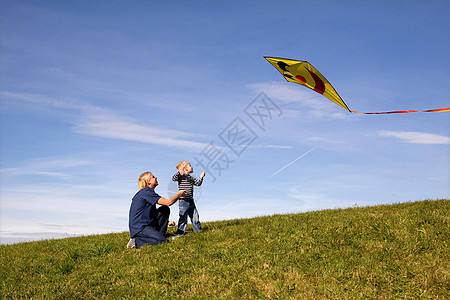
(93, 93)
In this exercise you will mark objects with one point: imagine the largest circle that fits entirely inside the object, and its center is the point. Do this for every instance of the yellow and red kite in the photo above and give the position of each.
(303, 73)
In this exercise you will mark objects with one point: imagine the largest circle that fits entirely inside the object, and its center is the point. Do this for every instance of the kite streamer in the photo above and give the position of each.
(401, 111)
(303, 73)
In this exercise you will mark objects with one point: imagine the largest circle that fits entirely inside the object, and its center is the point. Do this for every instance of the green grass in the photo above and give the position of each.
(397, 251)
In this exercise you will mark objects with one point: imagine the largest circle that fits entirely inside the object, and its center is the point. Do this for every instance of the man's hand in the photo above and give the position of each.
(171, 200)
(171, 223)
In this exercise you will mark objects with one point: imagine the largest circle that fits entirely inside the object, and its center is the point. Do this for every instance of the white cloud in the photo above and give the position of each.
(47, 166)
(414, 137)
(271, 147)
(98, 121)
(320, 139)
(26, 98)
(128, 131)
(55, 211)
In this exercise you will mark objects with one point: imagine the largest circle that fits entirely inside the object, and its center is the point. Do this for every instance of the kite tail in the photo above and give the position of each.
(401, 111)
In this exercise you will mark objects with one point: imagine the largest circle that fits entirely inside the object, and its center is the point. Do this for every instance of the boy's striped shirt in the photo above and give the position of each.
(186, 182)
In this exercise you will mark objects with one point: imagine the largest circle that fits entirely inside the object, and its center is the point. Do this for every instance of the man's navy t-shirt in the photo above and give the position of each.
(142, 205)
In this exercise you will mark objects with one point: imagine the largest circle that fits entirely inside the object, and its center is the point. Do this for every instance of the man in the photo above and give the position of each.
(147, 223)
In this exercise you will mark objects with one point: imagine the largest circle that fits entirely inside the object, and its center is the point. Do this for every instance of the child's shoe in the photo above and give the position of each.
(131, 243)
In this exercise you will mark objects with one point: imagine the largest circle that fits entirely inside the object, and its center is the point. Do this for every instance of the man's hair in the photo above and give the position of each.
(144, 179)
(182, 165)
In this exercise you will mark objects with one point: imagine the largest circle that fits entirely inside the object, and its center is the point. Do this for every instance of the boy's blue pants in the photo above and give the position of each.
(188, 209)
(154, 233)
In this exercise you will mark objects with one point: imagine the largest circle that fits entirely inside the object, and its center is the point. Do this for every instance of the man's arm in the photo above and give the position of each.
(171, 200)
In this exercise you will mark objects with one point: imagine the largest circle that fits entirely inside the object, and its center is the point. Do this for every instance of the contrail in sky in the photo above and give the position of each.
(293, 161)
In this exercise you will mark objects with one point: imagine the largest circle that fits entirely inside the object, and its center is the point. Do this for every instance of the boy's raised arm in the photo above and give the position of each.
(198, 182)
(176, 176)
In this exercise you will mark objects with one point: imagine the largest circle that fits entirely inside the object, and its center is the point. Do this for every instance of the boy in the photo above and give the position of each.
(186, 203)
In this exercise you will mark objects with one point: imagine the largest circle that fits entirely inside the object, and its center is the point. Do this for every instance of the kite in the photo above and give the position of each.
(303, 73)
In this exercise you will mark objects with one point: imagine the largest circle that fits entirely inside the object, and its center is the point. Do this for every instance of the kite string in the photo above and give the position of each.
(273, 78)
(298, 101)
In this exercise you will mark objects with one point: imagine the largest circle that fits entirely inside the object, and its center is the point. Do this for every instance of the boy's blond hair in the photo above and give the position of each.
(144, 179)
(182, 165)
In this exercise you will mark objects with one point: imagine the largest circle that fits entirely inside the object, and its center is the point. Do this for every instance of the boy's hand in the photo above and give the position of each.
(202, 175)
(171, 223)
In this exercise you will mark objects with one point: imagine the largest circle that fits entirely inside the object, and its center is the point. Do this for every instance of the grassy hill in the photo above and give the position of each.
(389, 251)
